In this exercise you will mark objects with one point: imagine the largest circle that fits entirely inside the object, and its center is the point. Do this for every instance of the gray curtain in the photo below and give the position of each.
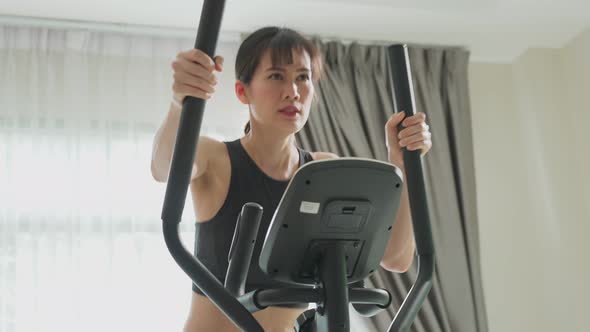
(354, 101)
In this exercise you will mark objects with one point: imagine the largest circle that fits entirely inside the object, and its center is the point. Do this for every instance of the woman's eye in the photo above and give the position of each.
(275, 76)
(304, 77)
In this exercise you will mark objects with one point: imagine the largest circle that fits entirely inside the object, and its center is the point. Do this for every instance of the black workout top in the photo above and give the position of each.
(247, 184)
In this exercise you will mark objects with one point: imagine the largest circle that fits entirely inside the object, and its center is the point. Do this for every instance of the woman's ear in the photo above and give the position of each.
(241, 93)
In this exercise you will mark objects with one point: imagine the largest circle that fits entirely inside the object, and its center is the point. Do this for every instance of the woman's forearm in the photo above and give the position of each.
(399, 252)
(163, 144)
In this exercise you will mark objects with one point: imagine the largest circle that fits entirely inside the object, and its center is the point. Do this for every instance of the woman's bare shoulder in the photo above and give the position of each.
(210, 153)
(213, 148)
(210, 143)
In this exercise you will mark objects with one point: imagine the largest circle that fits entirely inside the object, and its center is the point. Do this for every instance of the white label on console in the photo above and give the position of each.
(309, 207)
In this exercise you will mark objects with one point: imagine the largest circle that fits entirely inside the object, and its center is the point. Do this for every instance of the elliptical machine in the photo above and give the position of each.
(333, 222)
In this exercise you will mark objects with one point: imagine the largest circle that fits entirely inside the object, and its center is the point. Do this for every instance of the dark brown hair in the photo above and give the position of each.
(281, 42)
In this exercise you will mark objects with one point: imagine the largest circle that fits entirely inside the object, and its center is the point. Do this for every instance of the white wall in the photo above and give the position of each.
(528, 126)
(576, 66)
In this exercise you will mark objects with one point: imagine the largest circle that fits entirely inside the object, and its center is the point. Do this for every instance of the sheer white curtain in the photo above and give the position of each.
(80, 231)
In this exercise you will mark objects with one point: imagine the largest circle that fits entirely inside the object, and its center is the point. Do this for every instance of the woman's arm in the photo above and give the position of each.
(193, 76)
(399, 252)
(163, 148)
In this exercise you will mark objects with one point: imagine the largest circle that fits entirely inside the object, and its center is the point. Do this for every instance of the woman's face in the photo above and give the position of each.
(280, 96)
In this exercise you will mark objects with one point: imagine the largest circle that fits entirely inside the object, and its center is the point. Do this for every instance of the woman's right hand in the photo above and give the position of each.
(194, 75)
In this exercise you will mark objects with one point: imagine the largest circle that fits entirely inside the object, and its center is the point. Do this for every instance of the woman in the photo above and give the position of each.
(276, 69)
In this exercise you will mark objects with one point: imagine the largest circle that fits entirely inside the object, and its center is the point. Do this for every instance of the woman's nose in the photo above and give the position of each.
(291, 92)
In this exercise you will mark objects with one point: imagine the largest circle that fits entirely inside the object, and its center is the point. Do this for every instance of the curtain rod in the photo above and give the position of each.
(126, 28)
(139, 29)
(161, 31)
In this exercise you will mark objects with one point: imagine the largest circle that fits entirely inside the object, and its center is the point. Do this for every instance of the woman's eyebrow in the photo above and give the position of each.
(274, 68)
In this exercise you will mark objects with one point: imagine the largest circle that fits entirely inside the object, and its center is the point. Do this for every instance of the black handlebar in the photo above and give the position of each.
(179, 179)
(403, 93)
(191, 118)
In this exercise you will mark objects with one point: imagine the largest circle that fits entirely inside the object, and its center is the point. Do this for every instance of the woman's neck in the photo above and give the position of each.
(276, 155)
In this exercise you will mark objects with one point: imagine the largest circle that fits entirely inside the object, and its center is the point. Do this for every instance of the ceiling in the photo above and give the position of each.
(493, 30)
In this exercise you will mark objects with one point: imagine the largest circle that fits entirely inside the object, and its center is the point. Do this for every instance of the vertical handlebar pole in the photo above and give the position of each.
(191, 119)
(179, 178)
(404, 101)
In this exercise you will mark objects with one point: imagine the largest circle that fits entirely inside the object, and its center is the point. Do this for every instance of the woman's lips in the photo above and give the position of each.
(290, 111)
(290, 108)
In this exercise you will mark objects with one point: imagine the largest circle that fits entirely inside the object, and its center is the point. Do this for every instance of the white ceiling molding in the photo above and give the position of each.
(493, 30)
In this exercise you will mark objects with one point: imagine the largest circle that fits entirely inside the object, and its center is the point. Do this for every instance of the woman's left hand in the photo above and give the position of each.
(415, 136)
